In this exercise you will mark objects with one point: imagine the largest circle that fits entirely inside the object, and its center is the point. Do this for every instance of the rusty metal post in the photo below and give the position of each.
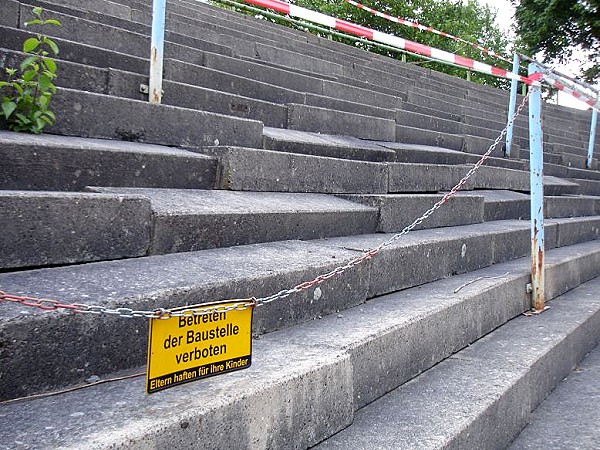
(512, 105)
(592, 138)
(159, 8)
(536, 163)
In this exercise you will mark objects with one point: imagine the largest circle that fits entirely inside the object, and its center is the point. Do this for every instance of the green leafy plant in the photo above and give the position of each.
(27, 92)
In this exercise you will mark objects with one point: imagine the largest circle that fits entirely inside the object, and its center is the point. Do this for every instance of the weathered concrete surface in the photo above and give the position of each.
(50, 228)
(290, 398)
(571, 206)
(127, 85)
(184, 72)
(311, 118)
(509, 372)
(245, 169)
(411, 135)
(352, 107)
(568, 418)
(429, 255)
(72, 75)
(101, 116)
(190, 220)
(336, 361)
(408, 177)
(318, 144)
(148, 283)
(503, 204)
(81, 53)
(397, 211)
(63, 163)
(10, 14)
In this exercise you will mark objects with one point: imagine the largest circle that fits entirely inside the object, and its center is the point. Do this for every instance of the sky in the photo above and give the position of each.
(504, 19)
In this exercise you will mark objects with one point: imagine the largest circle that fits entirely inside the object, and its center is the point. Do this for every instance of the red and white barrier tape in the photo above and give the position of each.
(555, 82)
(411, 24)
(388, 39)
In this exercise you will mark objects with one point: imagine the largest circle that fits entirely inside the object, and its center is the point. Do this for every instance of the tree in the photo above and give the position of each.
(558, 28)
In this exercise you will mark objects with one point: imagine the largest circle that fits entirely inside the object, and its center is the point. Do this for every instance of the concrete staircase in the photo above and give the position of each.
(278, 156)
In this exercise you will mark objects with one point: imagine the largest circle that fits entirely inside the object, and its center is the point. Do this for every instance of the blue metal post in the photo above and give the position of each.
(159, 8)
(592, 138)
(514, 86)
(536, 163)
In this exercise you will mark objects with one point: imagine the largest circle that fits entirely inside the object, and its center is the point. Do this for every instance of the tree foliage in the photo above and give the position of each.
(559, 27)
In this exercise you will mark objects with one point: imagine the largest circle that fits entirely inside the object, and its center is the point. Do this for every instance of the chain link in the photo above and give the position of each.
(200, 310)
(372, 252)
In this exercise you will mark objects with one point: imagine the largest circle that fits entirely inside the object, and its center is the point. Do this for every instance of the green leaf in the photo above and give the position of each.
(29, 75)
(51, 115)
(48, 120)
(8, 108)
(11, 71)
(18, 88)
(51, 44)
(33, 22)
(22, 118)
(50, 65)
(52, 22)
(30, 44)
(45, 83)
(43, 101)
(29, 61)
(37, 11)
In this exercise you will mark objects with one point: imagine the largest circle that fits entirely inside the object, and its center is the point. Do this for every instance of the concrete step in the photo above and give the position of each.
(505, 205)
(508, 372)
(319, 144)
(583, 174)
(352, 148)
(51, 228)
(191, 220)
(586, 186)
(252, 169)
(341, 363)
(60, 163)
(235, 272)
(88, 55)
(397, 211)
(311, 118)
(407, 177)
(115, 223)
(101, 116)
(415, 153)
(548, 424)
(460, 142)
(124, 84)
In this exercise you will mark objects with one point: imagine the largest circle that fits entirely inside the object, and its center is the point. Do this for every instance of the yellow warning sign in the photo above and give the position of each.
(190, 347)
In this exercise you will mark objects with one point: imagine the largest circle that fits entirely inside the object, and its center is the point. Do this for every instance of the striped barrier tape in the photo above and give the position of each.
(388, 39)
(411, 24)
(556, 83)
(571, 86)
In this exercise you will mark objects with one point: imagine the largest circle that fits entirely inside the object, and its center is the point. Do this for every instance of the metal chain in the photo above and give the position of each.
(372, 252)
(240, 305)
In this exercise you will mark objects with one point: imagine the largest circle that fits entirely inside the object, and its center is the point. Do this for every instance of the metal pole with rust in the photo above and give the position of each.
(536, 163)
(159, 8)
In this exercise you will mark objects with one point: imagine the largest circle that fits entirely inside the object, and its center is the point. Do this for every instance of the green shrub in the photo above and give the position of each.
(27, 92)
